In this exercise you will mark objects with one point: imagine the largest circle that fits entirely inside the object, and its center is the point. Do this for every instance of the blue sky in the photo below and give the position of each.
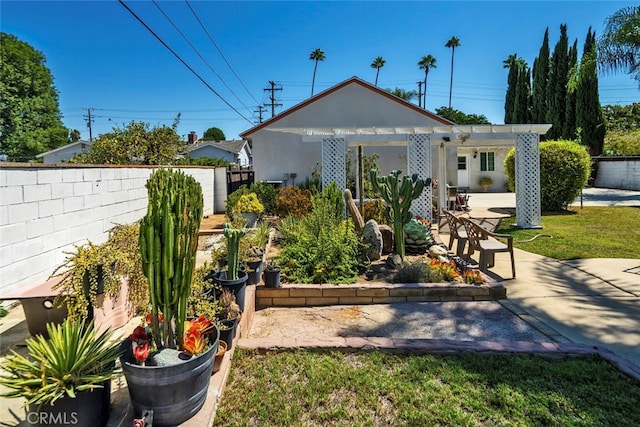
(101, 57)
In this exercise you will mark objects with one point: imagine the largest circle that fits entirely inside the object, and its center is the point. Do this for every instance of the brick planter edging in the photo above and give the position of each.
(295, 295)
(439, 346)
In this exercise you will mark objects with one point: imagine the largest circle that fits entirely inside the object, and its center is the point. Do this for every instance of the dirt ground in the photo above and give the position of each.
(212, 222)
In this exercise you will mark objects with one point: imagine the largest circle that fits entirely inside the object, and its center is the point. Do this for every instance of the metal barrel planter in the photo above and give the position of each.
(175, 392)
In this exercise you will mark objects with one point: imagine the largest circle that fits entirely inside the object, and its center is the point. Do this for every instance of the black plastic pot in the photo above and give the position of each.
(237, 287)
(228, 331)
(176, 392)
(90, 408)
(254, 269)
(272, 278)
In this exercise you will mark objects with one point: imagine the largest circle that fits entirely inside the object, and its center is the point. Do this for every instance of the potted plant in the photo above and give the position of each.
(272, 275)
(227, 314)
(249, 207)
(66, 378)
(168, 363)
(485, 182)
(85, 274)
(233, 279)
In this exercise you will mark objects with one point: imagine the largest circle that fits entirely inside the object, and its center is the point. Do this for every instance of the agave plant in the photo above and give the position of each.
(74, 358)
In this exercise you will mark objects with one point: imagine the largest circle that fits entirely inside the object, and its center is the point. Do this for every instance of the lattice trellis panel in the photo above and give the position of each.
(419, 162)
(528, 211)
(333, 162)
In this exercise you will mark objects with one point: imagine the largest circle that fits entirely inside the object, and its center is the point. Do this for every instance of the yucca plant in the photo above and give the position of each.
(74, 358)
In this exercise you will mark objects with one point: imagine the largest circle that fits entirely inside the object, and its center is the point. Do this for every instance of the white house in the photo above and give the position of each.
(64, 153)
(320, 131)
(238, 152)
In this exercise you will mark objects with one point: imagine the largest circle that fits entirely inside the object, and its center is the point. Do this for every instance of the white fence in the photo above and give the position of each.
(618, 172)
(46, 209)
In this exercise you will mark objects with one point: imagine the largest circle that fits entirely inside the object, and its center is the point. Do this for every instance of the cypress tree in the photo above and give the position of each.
(512, 80)
(540, 80)
(569, 128)
(523, 95)
(588, 111)
(557, 85)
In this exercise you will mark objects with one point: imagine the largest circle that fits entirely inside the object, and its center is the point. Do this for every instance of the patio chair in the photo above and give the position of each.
(479, 239)
(457, 232)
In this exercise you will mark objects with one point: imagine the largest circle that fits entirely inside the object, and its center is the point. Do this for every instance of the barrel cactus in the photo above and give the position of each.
(168, 245)
(417, 237)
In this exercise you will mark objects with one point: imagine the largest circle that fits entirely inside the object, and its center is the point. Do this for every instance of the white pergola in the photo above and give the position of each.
(419, 141)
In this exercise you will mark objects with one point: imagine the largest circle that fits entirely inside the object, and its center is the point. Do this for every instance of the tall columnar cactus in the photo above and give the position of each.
(398, 193)
(168, 245)
(233, 236)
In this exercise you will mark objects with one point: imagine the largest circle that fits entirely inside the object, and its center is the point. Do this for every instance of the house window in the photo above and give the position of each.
(487, 161)
(462, 163)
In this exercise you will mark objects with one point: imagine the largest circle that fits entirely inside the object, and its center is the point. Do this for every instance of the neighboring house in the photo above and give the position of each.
(238, 152)
(64, 153)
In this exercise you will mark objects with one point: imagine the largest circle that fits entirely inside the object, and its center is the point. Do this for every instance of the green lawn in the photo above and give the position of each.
(591, 232)
(372, 389)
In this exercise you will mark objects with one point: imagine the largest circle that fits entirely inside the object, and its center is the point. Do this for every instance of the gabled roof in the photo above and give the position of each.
(328, 92)
(78, 143)
(230, 146)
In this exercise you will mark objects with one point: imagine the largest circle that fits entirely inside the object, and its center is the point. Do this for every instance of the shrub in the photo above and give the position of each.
(412, 272)
(249, 203)
(622, 143)
(485, 181)
(209, 161)
(564, 171)
(293, 201)
(267, 194)
(232, 200)
(320, 247)
(374, 209)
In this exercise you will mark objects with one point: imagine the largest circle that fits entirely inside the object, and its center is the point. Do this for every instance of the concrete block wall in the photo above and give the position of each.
(47, 209)
(619, 172)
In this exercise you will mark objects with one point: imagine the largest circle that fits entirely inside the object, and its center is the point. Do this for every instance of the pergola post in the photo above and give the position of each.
(419, 162)
(527, 162)
(333, 162)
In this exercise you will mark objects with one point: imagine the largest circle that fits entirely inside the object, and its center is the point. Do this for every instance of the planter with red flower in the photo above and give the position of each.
(168, 362)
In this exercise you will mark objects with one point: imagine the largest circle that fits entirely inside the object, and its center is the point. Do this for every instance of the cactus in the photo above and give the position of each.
(233, 236)
(168, 244)
(398, 193)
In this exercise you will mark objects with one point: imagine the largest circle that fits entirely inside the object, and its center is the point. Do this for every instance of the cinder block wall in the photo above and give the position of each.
(619, 172)
(46, 209)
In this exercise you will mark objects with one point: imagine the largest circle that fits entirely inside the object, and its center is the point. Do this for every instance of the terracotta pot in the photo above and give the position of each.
(222, 350)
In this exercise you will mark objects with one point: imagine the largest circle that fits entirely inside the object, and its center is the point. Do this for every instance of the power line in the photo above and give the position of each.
(272, 97)
(198, 53)
(90, 121)
(259, 111)
(182, 61)
(218, 49)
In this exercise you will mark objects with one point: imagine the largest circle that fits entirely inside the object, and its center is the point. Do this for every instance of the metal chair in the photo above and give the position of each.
(457, 232)
(479, 240)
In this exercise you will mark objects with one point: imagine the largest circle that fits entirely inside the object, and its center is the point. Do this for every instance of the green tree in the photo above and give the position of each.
(453, 43)
(213, 134)
(460, 118)
(619, 46)
(622, 117)
(513, 63)
(522, 102)
(622, 143)
(407, 95)
(557, 86)
(30, 119)
(74, 135)
(589, 118)
(569, 128)
(540, 80)
(377, 64)
(317, 55)
(136, 143)
(426, 63)
(564, 171)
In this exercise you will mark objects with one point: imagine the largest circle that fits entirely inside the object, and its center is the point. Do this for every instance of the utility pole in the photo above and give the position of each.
(272, 97)
(89, 122)
(420, 94)
(260, 110)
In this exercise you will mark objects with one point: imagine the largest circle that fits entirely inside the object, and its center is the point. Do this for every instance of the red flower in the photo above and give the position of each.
(141, 352)
(139, 335)
(201, 324)
(148, 318)
(193, 342)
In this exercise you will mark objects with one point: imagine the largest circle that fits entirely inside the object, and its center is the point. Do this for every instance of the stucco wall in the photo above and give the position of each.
(45, 210)
(498, 175)
(621, 172)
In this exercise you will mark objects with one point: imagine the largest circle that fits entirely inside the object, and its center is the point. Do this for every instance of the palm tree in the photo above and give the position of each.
(426, 63)
(407, 95)
(453, 43)
(619, 46)
(377, 64)
(316, 55)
